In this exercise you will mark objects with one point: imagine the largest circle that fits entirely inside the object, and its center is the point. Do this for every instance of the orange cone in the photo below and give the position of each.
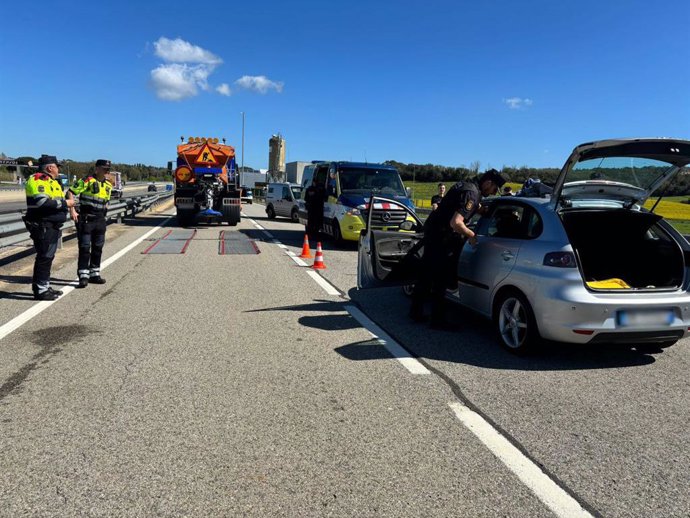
(318, 262)
(306, 253)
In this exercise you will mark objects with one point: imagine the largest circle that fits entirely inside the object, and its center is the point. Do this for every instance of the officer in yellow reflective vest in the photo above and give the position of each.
(46, 211)
(94, 195)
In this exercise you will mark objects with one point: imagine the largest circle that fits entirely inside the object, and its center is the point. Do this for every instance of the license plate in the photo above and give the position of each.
(643, 318)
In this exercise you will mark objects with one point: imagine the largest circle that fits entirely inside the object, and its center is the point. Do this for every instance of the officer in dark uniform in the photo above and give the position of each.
(46, 211)
(445, 232)
(314, 198)
(94, 194)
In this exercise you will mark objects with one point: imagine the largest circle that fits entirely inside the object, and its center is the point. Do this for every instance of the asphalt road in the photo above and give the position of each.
(209, 385)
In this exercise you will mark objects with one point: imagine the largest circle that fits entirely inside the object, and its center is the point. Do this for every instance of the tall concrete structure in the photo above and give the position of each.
(276, 157)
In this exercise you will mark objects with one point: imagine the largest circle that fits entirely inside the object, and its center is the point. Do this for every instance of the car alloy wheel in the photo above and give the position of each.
(516, 325)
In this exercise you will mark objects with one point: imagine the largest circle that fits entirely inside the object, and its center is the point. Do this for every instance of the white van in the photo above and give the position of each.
(281, 200)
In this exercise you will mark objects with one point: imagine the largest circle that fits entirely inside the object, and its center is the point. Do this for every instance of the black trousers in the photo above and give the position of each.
(314, 223)
(91, 237)
(45, 237)
(438, 272)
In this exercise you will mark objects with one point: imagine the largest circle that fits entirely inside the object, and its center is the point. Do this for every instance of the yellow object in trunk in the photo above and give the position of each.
(608, 284)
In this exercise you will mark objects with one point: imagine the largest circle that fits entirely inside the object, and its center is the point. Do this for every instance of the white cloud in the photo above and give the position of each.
(260, 84)
(186, 68)
(181, 51)
(517, 103)
(174, 82)
(224, 89)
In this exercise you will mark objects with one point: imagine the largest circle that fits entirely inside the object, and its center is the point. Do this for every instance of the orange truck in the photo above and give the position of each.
(206, 182)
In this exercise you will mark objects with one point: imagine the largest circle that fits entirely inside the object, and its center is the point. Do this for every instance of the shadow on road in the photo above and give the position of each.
(477, 344)
(15, 295)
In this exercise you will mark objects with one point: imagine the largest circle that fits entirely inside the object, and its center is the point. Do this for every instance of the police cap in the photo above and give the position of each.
(103, 163)
(494, 176)
(47, 160)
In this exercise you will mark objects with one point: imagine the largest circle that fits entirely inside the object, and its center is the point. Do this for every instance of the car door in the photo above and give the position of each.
(500, 234)
(388, 257)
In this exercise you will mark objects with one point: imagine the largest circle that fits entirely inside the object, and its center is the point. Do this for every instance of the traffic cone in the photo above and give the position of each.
(306, 253)
(318, 262)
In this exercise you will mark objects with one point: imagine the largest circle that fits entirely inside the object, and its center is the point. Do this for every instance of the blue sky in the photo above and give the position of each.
(443, 82)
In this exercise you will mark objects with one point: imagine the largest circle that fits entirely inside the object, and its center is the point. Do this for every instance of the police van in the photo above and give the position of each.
(349, 186)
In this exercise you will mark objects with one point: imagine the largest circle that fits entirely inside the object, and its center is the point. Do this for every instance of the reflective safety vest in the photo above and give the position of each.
(45, 200)
(93, 195)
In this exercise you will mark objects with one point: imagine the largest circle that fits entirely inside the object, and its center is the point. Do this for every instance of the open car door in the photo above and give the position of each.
(388, 257)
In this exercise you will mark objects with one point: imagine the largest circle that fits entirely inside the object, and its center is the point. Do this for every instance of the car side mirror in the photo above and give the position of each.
(407, 225)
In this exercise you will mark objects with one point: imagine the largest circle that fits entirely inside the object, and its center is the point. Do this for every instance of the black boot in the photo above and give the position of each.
(83, 282)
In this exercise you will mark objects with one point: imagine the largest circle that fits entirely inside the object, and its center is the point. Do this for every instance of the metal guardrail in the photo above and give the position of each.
(13, 231)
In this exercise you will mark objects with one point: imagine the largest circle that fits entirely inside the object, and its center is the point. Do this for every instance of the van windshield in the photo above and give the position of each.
(370, 180)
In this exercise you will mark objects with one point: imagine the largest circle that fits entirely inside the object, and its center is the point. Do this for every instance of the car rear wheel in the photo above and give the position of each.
(270, 212)
(294, 216)
(516, 325)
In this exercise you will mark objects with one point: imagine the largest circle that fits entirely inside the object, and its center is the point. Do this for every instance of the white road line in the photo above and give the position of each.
(327, 286)
(398, 352)
(38, 308)
(550, 493)
(297, 260)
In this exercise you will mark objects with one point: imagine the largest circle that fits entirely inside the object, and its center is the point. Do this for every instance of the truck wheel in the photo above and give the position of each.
(185, 218)
(270, 212)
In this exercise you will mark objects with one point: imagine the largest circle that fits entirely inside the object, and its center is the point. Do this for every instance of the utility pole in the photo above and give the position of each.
(242, 168)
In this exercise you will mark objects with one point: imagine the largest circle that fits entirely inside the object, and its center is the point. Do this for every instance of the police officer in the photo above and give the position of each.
(94, 195)
(46, 211)
(314, 198)
(445, 232)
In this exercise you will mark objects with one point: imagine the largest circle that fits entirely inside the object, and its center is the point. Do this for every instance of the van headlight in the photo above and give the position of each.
(354, 212)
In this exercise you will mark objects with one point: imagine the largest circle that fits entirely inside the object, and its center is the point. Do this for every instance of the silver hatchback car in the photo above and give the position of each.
(586, 264)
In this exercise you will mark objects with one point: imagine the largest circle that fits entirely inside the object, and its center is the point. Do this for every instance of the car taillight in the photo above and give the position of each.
(560, 259)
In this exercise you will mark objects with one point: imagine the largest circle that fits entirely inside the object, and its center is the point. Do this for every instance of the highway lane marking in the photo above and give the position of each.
(320, 280)
(39, 307)
(294, 257)
(545, 489)
(396, 350)
(327, 286)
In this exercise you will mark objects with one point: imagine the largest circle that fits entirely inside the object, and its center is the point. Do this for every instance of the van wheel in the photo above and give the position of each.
(337, 235)
(270, 212)
(294, 216)
(516, 325)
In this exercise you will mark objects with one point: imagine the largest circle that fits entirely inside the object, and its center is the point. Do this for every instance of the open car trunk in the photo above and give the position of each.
(623, 249)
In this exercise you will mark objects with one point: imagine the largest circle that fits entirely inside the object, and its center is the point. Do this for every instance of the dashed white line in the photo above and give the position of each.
(327, 286)
(39, 307)
(398, 352)
(550, 493)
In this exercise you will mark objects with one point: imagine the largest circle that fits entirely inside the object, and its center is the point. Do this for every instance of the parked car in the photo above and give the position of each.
(152, 187)
(246, 194)
(586, 264)
(281, 200)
